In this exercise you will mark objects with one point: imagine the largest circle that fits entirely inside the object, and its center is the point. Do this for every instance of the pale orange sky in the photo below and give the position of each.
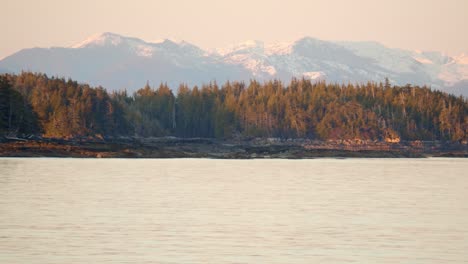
(408, 24)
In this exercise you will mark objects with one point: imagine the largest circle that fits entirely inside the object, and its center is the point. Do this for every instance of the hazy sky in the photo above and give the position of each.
(409, 24)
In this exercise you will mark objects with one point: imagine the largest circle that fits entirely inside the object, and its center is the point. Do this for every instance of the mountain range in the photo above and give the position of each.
(118, 62)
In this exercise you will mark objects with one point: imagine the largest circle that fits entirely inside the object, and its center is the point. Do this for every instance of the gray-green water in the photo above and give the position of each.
(233, 211)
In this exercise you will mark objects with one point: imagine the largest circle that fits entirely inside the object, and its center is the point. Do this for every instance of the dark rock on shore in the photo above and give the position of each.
(210, 148)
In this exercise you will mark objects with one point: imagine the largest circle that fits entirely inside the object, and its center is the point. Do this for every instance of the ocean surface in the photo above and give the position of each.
(233, 211)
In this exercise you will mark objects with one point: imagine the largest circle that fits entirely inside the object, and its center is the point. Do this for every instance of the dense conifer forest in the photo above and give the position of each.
(35, 104)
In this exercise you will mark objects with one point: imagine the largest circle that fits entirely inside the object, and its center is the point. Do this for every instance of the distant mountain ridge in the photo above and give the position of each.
(116, 62)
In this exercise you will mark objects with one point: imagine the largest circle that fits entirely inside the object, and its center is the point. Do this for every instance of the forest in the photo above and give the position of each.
(35, 104)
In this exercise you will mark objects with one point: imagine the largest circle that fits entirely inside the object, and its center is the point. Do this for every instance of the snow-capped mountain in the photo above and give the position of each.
(117, 62)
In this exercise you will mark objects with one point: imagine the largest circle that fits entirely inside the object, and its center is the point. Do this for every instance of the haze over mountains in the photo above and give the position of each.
(116, 62)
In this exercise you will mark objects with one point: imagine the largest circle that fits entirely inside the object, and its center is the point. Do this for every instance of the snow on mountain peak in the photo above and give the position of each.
(251, 55)
(314, 75)
(169, 40)
(309, 41)
(461, 59)
(144, 51)
(101, 39)
(248, 45)
(283, 48)
(423, 60)
(138, 46)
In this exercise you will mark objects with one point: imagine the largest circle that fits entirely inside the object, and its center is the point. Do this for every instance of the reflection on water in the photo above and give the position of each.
(233, 211)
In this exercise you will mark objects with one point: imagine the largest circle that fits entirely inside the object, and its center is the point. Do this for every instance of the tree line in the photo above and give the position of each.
(33, 103)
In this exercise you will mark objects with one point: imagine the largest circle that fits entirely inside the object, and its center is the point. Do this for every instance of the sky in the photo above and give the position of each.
(440, 25)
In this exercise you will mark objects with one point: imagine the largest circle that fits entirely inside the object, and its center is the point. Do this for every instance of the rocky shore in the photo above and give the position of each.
(211, 148)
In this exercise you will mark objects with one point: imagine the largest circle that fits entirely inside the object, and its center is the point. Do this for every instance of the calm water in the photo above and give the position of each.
(233, 211)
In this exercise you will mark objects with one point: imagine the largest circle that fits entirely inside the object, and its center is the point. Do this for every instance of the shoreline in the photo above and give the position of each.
(217, 149)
